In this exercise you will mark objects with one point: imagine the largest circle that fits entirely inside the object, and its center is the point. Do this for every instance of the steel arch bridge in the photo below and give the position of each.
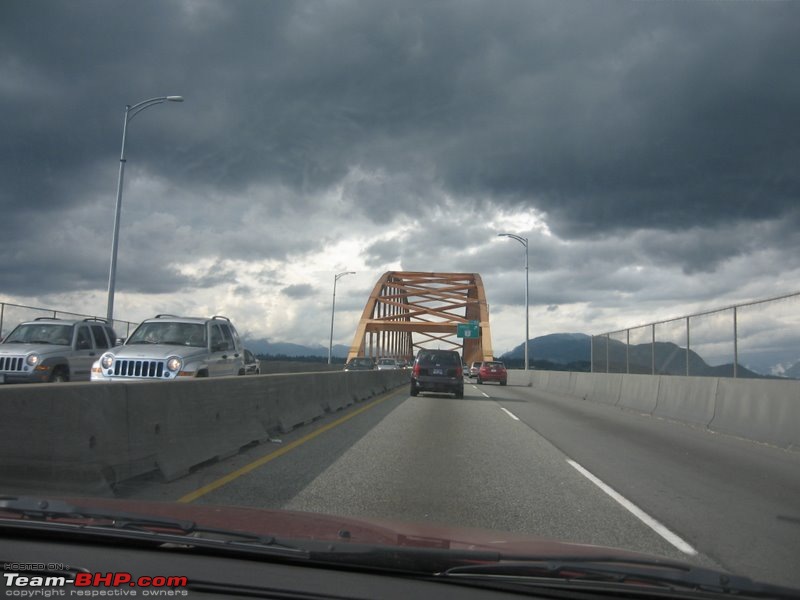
(408, 310)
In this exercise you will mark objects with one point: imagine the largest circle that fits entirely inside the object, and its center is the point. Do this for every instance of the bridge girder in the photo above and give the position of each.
(430, 306)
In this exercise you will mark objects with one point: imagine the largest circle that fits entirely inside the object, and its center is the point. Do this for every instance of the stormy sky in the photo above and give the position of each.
(649, 150)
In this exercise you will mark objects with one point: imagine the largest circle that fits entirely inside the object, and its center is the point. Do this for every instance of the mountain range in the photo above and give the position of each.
(565, 352)
(572, 351)
(266, 348)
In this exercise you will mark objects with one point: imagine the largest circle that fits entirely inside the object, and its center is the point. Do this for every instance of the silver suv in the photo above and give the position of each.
(49, 349)
(168, 347)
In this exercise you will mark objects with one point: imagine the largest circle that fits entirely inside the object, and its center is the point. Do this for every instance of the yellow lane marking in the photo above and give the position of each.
(198, 493)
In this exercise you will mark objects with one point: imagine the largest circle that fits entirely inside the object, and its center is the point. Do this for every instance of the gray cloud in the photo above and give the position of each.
(657, 140)
(298, 291)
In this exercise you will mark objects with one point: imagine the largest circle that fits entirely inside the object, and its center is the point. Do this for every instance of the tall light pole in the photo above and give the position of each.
(524, 242)
(336, 278)
(130, 112)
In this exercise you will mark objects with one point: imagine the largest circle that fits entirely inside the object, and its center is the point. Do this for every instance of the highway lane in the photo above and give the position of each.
(430, 458)
(736, 501)
(499, 459)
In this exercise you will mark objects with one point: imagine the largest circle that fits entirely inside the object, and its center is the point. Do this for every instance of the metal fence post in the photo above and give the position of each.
(687, 346)
(735, 343)
(653, 351)
(628, 351)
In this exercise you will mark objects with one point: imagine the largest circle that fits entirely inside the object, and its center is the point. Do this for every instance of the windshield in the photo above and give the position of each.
(41, 333)
(361, 362)
(172, 334)
(528, 267)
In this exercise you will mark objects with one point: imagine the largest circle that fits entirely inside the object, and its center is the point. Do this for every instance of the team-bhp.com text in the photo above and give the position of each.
(93, 585)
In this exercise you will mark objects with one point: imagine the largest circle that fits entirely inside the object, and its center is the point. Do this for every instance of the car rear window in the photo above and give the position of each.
(493, 364)
(439, 358)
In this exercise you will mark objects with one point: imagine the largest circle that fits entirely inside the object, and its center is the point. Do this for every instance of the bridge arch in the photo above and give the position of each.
(409, 310)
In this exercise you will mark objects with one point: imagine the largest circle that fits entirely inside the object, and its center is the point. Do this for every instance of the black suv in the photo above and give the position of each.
(438, 371)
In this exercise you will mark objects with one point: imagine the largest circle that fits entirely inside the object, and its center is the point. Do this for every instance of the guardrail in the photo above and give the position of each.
(89, 437)
(765, 411)
(12, 315)
(751, 339)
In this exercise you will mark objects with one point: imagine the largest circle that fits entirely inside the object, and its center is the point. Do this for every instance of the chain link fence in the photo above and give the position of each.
(12, 315)
(753, 339)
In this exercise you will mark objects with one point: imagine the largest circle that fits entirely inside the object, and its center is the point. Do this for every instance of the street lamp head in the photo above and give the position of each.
(514, 236)
(175, 98)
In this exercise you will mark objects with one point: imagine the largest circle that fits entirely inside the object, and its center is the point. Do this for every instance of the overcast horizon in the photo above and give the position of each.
(649, 150)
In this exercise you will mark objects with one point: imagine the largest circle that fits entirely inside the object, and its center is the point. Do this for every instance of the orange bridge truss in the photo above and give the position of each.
(409, 310)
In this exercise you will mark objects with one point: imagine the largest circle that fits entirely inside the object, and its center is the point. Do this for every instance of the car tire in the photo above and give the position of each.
(460, 393)
(503, 382)
(480, 381)
(59, 375)
(413, 391)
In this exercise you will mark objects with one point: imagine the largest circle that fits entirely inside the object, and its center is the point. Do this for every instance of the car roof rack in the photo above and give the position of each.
(161, 316)
(96, 319)
(47, 319)
(221, 317)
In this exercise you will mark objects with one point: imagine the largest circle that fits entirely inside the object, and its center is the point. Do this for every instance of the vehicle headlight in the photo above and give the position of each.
(174, 363)
(106, 361)
(33, 359)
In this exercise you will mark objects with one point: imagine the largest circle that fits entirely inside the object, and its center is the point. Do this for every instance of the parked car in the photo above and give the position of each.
(387, 364)
(54, 350)
(493, 371)
(252, 366)
(473, 370)
(360, 363)
(437, 371)
(167, 347)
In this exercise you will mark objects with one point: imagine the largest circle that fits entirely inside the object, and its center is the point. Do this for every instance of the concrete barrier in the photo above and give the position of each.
(687, 399)
(756, 409)
(639, 393)
(602, 387)
(765, 411)
(89, 437)
(560, 381)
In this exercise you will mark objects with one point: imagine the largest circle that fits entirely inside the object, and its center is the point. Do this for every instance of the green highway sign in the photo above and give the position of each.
(468, 330)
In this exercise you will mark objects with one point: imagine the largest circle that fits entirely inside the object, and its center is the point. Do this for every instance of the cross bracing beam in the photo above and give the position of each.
(409, 310)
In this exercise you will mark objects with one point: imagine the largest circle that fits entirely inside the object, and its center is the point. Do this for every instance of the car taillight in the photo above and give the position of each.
(459, 371)
(416, 369)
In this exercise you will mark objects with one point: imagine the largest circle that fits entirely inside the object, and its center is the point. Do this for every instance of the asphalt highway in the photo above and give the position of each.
(516, 459)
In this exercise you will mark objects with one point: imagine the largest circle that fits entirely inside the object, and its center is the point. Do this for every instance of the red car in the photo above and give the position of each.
(493, 371)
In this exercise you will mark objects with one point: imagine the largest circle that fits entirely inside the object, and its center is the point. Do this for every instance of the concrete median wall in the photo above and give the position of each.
(761, 410)
(88, 437)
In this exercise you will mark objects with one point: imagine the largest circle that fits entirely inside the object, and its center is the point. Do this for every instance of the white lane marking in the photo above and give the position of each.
(485, 395)
(660, 529)
(509, 413)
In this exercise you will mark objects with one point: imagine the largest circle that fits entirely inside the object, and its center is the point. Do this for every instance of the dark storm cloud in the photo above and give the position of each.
(298, 291)
(605, 115)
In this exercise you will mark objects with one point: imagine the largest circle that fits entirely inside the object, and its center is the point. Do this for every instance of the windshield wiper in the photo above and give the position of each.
(39, 342)
(141, 342)
(617, 570)
(44, 513)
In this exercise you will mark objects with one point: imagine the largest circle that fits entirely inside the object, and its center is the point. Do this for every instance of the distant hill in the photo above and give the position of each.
(265, 347)
(573, 351)
(559, 348)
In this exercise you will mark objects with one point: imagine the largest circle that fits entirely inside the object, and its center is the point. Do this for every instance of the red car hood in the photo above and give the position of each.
(313, 526)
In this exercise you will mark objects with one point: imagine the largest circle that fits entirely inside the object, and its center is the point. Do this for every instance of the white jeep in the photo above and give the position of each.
(168, 347)
(54, 350)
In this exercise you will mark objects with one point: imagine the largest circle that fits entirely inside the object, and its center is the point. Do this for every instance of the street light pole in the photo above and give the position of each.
(336, 278)
(130, 112)
(524, 242)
